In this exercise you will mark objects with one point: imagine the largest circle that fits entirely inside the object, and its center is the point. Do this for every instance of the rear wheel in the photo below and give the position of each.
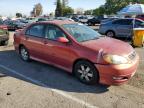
(86, 72)
(110, 34)
(24, 53)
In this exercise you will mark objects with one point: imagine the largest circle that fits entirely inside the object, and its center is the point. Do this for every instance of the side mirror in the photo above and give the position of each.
(63, 40)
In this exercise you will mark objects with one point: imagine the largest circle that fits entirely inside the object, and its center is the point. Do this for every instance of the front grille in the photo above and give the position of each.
(132, 55)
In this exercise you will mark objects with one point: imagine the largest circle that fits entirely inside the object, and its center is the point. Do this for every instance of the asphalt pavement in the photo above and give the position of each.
(37, 85)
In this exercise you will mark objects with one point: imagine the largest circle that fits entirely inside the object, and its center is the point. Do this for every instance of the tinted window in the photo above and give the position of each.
(36, 30)
(123, 22)
(53, 32)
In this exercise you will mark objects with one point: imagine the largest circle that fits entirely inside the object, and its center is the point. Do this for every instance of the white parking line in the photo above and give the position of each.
(64, 94)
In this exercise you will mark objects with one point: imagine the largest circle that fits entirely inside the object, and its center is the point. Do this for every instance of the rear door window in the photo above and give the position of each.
(123, 22)
(36, 31)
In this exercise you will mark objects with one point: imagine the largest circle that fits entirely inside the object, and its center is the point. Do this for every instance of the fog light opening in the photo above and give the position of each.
(119, 78)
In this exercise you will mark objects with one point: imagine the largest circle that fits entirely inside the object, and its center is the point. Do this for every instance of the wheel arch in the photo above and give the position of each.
(20, 45)
(82, 59)
(109, 31)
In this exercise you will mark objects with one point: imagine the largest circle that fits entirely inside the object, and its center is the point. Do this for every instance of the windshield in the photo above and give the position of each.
(81, 32)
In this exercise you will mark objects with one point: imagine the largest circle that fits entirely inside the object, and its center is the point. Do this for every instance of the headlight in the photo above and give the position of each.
(115, 59)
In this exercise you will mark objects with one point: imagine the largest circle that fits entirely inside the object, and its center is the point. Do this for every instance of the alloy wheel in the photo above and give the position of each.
(110, 34)
(85, 73)
(24, 54)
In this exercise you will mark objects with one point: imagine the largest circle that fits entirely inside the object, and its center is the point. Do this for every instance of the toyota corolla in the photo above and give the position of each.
(78, 49)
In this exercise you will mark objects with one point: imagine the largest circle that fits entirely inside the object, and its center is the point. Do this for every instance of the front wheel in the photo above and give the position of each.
(110, 34)
(86, 72)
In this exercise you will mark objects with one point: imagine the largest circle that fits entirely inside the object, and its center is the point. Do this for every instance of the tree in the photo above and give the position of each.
(59, 9)
(38, 9)
(99, 11)
(67, 10)
(64, 3)
(88, 12)
(79, 11)
(113, 6)
(18, 15)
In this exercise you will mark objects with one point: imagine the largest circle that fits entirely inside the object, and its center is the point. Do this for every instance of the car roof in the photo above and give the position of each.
(128, 18)
(58, 22)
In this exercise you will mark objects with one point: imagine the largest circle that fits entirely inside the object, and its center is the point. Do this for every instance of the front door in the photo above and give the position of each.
(59, 52)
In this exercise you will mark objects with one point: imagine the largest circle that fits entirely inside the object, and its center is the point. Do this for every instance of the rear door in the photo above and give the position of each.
(34, 40)
(123, 27)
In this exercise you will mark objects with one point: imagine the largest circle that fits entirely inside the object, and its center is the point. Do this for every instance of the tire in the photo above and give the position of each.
(4, 42)
(24, 54)
(110, 34)
(89, 23)
(86, 72)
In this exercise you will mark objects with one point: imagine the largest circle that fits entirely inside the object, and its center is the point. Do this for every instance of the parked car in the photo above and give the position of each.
(23, 21)
(83, 19)
(77, 49)
(75, 19)
(42, 19)
(31, 20)
(4, 34)
(10, 25)
(140, 17)
(120, 27)
(93, 21)
(19, 24)
(108, 20)
(14, 24)
(64, 18)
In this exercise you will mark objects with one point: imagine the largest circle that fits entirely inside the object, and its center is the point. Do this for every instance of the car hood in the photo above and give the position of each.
(109, 46)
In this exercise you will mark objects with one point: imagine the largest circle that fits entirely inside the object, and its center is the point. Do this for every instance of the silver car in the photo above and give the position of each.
(120, 27)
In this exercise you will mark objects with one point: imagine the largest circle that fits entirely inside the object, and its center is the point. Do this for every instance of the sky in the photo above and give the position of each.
(10, 7)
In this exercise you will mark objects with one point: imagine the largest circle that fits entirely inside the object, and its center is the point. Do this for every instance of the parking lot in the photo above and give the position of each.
(38, 85)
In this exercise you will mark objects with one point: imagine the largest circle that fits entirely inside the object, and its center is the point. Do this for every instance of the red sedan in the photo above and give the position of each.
(140, 17)
(77, 49)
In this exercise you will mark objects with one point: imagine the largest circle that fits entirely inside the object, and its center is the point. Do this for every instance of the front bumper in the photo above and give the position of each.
(116, 74)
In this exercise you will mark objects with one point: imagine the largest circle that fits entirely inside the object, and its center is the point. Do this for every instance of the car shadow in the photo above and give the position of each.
(45, 74)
